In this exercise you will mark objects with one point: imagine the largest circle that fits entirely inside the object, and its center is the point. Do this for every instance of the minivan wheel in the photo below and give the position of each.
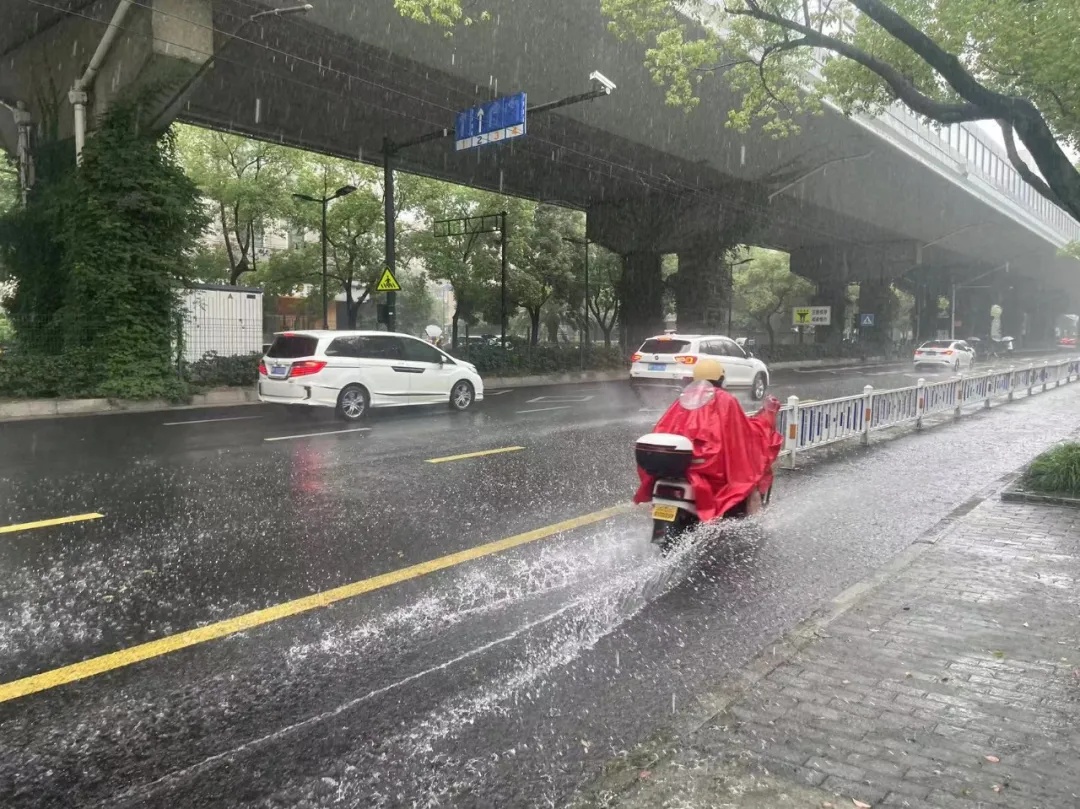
(352, 403)
(759, 387)
(461, 396)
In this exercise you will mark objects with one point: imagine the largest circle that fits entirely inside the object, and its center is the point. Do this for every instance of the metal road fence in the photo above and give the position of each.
(819, 424)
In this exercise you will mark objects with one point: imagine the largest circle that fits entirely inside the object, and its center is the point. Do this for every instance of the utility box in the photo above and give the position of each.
(222, 320)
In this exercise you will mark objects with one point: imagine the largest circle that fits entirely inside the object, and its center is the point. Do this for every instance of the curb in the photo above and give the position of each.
(616, 779)
(1021, 496)
(52, 408)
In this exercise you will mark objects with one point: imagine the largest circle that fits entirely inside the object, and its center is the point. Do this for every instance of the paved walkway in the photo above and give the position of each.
(955, 684)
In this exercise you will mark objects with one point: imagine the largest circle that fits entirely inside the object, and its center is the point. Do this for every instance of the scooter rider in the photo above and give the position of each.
(711, 371)
(733, 453)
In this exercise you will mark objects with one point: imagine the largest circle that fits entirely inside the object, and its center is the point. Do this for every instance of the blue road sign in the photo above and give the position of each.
(495, 121)
(866, 320)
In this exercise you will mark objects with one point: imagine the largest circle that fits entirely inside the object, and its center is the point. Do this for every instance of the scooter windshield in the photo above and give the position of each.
(697, 394)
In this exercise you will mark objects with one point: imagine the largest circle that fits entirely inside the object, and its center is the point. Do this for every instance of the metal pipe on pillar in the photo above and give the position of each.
(78, 94)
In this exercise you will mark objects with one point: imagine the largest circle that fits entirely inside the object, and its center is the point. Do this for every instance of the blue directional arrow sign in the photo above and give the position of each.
(866, 320)
(495, 121)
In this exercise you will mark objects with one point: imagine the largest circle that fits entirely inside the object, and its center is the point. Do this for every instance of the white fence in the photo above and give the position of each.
(819, 424)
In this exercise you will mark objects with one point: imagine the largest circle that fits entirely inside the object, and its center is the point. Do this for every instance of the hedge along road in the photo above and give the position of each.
(200, 527)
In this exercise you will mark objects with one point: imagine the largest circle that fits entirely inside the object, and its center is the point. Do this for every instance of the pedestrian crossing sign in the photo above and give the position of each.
(388, 283)
(866, 319)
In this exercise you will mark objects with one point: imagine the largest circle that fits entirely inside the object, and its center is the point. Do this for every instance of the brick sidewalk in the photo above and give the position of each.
(955, 684)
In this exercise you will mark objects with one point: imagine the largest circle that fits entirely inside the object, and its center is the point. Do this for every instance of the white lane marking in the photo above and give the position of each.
(574, 399)
(498, 392)
(209, 421)
(545, 409)
(315, 435)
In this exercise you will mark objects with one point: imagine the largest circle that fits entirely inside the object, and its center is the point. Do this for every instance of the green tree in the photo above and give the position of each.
(605, 273)
(951, 61)
(246, 181)
(544, 264)
(766, 287)
(469, 263)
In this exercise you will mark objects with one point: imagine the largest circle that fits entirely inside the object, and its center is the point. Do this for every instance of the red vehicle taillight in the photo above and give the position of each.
(686, 359)
(635, 358)
(947, 353)
(306, 368)
(262, 368)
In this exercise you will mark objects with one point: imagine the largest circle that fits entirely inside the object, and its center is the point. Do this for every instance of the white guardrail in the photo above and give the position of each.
(819, 424)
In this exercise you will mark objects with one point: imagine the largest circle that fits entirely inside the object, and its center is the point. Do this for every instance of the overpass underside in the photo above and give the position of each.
(847, 205)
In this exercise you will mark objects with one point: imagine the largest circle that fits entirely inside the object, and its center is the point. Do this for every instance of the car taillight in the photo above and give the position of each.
(917, 353)
(686, 359)
(635, 358)
(947, 353)
(262, 368)
(306, 368)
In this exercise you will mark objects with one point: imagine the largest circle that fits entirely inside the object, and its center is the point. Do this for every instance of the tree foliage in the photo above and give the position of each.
(950, 61)
(245, 181)
(765, 287)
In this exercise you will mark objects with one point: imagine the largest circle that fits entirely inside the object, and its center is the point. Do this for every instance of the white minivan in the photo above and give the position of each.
(353, 371)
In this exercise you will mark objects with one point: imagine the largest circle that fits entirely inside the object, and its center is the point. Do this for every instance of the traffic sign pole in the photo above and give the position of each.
(391, 230)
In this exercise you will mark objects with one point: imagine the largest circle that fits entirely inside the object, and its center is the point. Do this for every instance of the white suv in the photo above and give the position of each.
(353, 371)
(670, 359)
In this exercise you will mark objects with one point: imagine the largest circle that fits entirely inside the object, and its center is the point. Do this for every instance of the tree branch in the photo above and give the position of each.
(900, 85)
(1029, 177)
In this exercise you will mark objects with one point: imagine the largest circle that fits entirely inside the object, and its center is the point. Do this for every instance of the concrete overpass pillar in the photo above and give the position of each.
(160, 45)
(643, 297)
(876, 298)
(834, 295)
(701, 290)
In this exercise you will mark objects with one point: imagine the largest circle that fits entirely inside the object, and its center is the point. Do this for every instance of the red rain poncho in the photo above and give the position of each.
(737, 451)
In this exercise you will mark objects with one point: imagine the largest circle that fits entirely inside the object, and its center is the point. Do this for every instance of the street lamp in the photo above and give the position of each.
(585, 332)
(344, 191)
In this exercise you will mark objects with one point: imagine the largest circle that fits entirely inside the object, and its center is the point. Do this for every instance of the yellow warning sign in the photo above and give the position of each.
(388, 283)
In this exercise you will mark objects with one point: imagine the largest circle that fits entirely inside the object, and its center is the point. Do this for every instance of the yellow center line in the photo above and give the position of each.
(27, 526)
(474, 454)
(192, 637)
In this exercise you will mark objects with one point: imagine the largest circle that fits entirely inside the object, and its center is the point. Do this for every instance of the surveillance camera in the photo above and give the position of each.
(602, 80)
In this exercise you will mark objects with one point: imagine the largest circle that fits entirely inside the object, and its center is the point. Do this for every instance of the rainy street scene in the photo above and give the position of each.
(588, 404)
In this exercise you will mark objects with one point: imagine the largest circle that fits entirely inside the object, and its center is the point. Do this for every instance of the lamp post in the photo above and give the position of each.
(344, 191)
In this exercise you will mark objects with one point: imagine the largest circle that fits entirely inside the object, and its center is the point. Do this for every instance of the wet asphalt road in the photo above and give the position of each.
(504, 681)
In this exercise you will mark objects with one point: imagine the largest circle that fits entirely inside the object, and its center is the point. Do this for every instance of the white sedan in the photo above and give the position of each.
(669, 359)
(353, 371)
(954, 354)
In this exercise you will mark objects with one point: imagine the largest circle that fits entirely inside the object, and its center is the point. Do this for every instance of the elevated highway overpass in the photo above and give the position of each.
(869, 199)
